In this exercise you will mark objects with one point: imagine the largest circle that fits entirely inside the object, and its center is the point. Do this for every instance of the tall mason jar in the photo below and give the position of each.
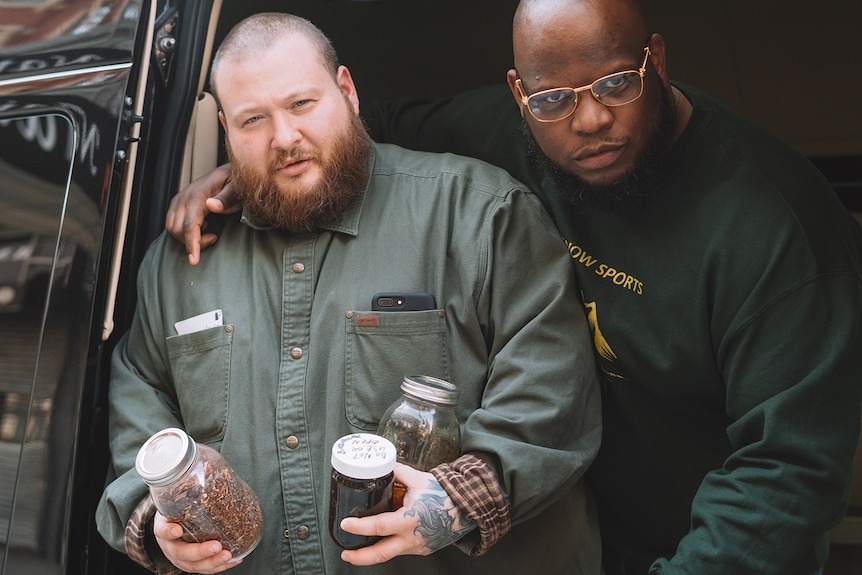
(423, 425)
(194, 486)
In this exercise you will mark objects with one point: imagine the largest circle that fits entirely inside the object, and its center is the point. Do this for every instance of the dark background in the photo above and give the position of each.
(792, 66)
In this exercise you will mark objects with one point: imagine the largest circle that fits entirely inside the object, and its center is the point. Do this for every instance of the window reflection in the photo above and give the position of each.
(35, 163)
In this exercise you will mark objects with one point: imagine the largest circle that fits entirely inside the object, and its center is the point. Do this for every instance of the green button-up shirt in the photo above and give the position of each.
(300, 360)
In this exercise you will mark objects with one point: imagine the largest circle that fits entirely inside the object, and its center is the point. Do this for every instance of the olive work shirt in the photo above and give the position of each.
(301, 360)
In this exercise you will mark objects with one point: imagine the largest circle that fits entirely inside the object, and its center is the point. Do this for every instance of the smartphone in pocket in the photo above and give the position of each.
(403, 301)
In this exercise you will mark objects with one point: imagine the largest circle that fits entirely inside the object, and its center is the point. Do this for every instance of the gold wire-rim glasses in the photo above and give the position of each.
(525, 100)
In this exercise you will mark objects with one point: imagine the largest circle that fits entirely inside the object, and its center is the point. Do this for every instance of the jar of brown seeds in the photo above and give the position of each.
(194, 486)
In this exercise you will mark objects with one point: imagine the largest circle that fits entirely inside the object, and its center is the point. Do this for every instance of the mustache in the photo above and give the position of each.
(291, 156)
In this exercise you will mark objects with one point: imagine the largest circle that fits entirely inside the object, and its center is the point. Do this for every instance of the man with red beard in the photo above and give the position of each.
(295, 358)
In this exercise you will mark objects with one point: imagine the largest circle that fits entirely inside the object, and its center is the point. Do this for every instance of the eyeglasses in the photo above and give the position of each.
(611, 90)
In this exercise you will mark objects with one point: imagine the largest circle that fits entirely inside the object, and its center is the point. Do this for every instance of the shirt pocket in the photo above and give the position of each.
(200, 363)
(383, 347)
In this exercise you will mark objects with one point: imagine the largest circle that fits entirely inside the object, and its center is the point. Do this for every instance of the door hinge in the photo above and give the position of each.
(165, 44)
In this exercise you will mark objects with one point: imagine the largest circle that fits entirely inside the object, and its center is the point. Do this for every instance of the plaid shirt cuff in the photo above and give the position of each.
(141, 546)
(473, 487)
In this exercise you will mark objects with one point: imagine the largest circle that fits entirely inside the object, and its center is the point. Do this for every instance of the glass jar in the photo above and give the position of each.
(423, 425)
(360, 484)
(194, 486)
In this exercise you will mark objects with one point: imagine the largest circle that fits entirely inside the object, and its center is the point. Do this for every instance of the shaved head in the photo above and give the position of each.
(545, 30)
(601, 154)
(264, 30)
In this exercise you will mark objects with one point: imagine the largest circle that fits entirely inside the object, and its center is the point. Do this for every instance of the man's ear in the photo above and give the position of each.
(222, 120)
(658, 58)
(511, 76)
(345, 82)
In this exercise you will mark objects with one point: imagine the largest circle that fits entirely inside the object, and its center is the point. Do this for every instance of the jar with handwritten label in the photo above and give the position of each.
(360, 485)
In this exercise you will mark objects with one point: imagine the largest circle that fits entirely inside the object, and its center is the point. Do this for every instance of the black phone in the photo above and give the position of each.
(403, 301)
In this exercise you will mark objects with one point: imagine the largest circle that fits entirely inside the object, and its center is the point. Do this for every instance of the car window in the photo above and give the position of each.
(35, 165)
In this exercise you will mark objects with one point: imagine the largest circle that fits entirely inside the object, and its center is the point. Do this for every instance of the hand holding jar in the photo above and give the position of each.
(194, 486)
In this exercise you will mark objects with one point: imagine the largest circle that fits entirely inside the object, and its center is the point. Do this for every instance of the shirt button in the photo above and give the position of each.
(286, 534)
(296, 353)
(303, 532)
(292, 441)
(298, 268)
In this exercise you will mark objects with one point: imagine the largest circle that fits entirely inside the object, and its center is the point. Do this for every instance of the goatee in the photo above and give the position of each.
(297, 206)
(627, 192)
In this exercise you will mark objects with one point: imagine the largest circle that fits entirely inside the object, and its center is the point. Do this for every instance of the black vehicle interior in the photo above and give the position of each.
(433, 49)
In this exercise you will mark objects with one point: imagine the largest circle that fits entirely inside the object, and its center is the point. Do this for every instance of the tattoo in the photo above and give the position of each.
(435, 523)
(467, 524)
(438, 521)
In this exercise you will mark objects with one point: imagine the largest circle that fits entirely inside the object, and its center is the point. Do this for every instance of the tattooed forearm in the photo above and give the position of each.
(440, 522)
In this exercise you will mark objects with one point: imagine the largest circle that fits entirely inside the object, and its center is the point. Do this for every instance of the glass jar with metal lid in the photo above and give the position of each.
(423, 424)
(194, 486)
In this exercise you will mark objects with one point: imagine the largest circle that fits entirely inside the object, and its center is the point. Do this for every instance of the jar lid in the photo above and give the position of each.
(165, 456)
(430, 389)
(363, 456)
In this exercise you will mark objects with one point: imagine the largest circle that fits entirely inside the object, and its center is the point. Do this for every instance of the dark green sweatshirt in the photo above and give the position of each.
(727, 319)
